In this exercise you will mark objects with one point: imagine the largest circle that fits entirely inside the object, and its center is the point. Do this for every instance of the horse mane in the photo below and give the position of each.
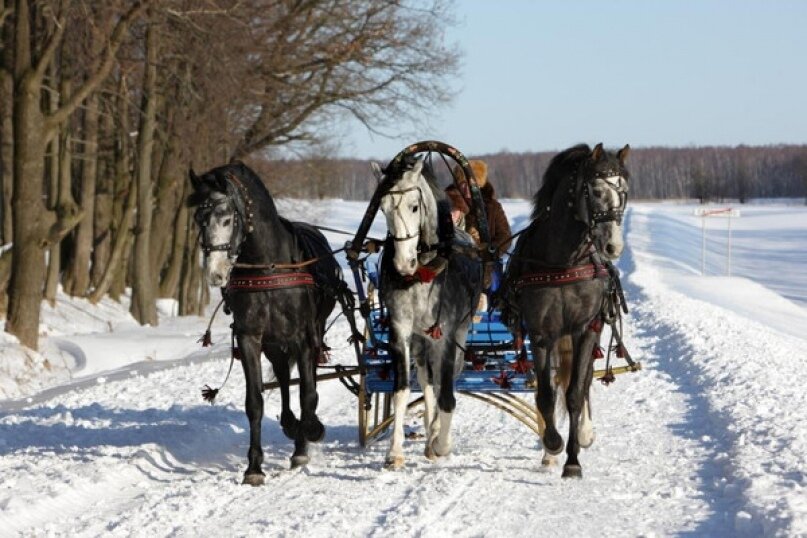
(216, 180)
(562, 165)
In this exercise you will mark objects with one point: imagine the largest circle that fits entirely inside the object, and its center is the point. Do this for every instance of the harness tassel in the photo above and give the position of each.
(324, 355)
(209, 394)
(522, 364)
(206, 339)
(425, 274)
(503, 380)
(434, 331)
(597, 353)
(608, 378)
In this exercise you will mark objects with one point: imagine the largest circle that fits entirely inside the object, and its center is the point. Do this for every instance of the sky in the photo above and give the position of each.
(542, 76)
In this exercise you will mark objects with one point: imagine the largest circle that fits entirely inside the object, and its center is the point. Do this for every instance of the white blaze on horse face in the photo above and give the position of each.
(403, 210)
(610, 233)
(219, 232)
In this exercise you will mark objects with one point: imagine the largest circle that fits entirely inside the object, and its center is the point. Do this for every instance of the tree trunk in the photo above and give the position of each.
(144, 304)
(28, 262)
(119, 256)
(6, 132)
(78, 280)
(168, 205)
(188, 283)
(60, 175)
(102, 214)
(182, 224)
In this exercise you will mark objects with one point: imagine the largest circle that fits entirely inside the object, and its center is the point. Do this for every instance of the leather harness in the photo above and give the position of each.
(270, 282)
(559, 277)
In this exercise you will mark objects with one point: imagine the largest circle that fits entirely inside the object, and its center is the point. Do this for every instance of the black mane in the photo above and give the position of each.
(562, 165)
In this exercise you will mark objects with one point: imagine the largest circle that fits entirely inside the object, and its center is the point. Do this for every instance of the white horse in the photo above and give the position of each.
(430, 281)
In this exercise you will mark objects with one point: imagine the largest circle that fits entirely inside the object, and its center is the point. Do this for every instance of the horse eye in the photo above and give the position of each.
(226, 221)
(414, 209)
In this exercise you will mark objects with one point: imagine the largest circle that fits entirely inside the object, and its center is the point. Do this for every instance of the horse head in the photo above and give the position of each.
(410, 208)
(601, 194)
(223, 220)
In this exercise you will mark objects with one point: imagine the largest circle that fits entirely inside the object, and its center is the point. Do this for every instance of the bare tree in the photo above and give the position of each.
(372, 59)
(35, 226)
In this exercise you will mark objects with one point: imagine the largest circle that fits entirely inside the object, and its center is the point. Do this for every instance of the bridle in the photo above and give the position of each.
(241, 203)
(585, 193)
(397, 209)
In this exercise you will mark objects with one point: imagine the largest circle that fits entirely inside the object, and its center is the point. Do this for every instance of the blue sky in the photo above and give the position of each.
(541, 76)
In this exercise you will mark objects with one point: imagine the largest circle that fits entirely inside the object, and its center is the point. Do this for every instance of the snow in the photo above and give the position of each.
(104, 432)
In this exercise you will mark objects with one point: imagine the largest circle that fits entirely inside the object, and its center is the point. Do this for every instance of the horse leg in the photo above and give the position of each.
(311, 429)
(585, 430)
(251, 362)
(429, 423)
(446, 402)
(563, 357)
(400, 342)
(545, 396)
(575, 399)
(288, 422)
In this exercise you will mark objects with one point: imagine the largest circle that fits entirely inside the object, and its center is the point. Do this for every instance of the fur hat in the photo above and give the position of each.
(457, 202)
(480, 169)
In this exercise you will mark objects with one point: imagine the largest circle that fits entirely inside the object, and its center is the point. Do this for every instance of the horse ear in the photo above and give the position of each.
(377, 172)
(622, 154)
(418, 168)
(597, 152)
(221, 182)
(196, 182)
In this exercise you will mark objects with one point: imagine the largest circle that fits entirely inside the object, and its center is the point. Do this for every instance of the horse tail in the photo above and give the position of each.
(564, 352)
(327, 272)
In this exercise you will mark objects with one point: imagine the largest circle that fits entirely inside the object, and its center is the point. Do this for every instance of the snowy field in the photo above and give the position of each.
(104, 432)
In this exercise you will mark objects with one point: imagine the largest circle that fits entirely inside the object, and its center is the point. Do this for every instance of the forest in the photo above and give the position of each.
(658, 173)
(104, 105)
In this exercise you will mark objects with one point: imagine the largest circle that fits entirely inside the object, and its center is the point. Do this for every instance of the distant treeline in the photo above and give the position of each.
(705, 173)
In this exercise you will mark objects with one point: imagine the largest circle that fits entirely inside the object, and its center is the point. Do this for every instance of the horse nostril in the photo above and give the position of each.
(610, 249)
(413, 262)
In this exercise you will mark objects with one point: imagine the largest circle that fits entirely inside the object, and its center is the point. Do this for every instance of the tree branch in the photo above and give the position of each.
(93, 81)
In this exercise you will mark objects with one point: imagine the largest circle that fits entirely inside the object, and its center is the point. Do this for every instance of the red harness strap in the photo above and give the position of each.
(558, 277)
(270, 282)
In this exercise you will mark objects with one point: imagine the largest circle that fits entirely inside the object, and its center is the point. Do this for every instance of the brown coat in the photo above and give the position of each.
(498, 227)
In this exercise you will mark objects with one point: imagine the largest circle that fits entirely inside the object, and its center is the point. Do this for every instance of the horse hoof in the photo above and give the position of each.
(440, 453)
(299, 461)
(586, 441)
(429, 452)
(553, 443)
(314, 431)
(572, 471)
(290, 429)
(548, 460)
(393, 463)
(253, 479)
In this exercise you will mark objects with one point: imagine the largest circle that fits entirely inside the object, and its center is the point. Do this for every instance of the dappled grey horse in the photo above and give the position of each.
(558, 279)
(281, 281)
(431, 279)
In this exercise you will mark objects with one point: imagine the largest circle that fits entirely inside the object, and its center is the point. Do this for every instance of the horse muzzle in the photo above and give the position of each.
(218, 271)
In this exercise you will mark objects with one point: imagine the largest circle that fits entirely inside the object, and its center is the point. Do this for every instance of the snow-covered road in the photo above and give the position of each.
(707, 439)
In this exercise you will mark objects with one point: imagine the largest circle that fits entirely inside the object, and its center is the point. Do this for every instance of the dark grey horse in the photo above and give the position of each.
(430, 283)
(281, 283)
(557, 279)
